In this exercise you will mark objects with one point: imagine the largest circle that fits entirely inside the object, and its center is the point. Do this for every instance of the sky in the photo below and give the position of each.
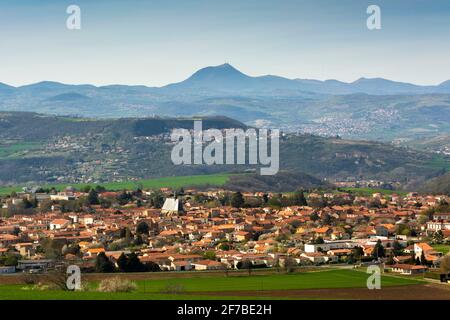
(157, 42)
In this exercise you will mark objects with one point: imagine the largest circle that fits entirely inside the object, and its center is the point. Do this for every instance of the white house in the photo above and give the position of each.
(59, 224)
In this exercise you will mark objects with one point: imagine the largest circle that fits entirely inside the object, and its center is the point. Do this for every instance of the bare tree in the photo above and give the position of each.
(445, 264)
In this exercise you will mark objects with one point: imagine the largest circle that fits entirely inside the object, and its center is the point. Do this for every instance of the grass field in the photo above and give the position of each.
(370, 191)
(440, 162)
(444, 248)
(16, 149)
(199, 288)
(169, 182)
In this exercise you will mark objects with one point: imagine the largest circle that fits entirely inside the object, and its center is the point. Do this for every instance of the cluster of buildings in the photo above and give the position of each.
(185, 235)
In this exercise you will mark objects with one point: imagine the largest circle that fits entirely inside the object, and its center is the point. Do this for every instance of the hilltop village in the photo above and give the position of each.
(184, 230)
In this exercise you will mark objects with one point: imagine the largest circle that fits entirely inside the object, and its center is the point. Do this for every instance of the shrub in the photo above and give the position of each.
(29, 279)
(173, 288)
(116, 284)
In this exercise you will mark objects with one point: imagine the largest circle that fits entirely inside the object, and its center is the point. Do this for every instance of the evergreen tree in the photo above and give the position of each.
(103, 264)
(142, 228)
(122, 262)
(397, 248)
(134, 264)
(92, 198)
(378, 250)
(298, 198)
(423, 259)
(438, 237)
(237, 200)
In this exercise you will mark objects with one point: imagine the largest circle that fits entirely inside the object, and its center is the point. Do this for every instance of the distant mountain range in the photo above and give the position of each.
(374, 109)
(226, 79)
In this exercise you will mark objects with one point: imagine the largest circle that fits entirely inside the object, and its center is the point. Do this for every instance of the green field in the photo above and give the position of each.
(444, 248)
(440, 162)
(168, 182)
(370, 191)
(198, 288)
(14, 150)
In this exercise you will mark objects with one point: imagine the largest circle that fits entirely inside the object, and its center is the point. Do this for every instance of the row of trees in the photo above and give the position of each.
(125, 263)
(237, 200)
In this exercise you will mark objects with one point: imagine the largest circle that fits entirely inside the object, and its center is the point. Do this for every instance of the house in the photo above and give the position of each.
(42, 264)
(242, 236)
(87, 220)
(181, 265)
(339, 252)
(172, 206)
(25, 249)
(315, 257)
(408, 269)
(7, 269)
(438, 225)
(59, 224)
(430, 254)
(441, 216)
(8, 239)
(93, 252)
(381, 231)
(207, 265)
(323, 232)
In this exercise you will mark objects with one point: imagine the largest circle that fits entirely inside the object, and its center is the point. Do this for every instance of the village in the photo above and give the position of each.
(187, 230)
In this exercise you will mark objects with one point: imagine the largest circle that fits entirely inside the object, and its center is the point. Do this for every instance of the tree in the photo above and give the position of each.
(314, 216)
(298, 198)
(100, 189)
(224, 246)
(423, 259)
(52, 249)
(445, 263)
(289, 264)
(378, 250)
(326, 219)
(57, 278)
(237, 200)
(246, 264)
(210, 255)
(9, 260)
(92, 198)
(275, 201)
(71, 249)
(142, 228)
(122, 262)
(357, 252)
(319, 240)
(438, 237)
(86, 189)
(156, 199)
(138, 240)
(123, 198)
(152, 266)
(397, 248)
(134, 264)
(103, 264)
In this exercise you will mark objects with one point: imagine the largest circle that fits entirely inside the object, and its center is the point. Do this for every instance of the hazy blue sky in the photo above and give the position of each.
(162, 41)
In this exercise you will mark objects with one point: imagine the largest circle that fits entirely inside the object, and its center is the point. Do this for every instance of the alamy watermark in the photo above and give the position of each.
(374, 280)
(229, 148)
(374, 20)
(73, 22)
(73, 281)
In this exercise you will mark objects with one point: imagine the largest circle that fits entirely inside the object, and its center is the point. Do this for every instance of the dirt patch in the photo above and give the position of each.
(409, 292)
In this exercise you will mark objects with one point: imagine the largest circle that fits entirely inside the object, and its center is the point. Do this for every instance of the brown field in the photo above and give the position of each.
(412, 292)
